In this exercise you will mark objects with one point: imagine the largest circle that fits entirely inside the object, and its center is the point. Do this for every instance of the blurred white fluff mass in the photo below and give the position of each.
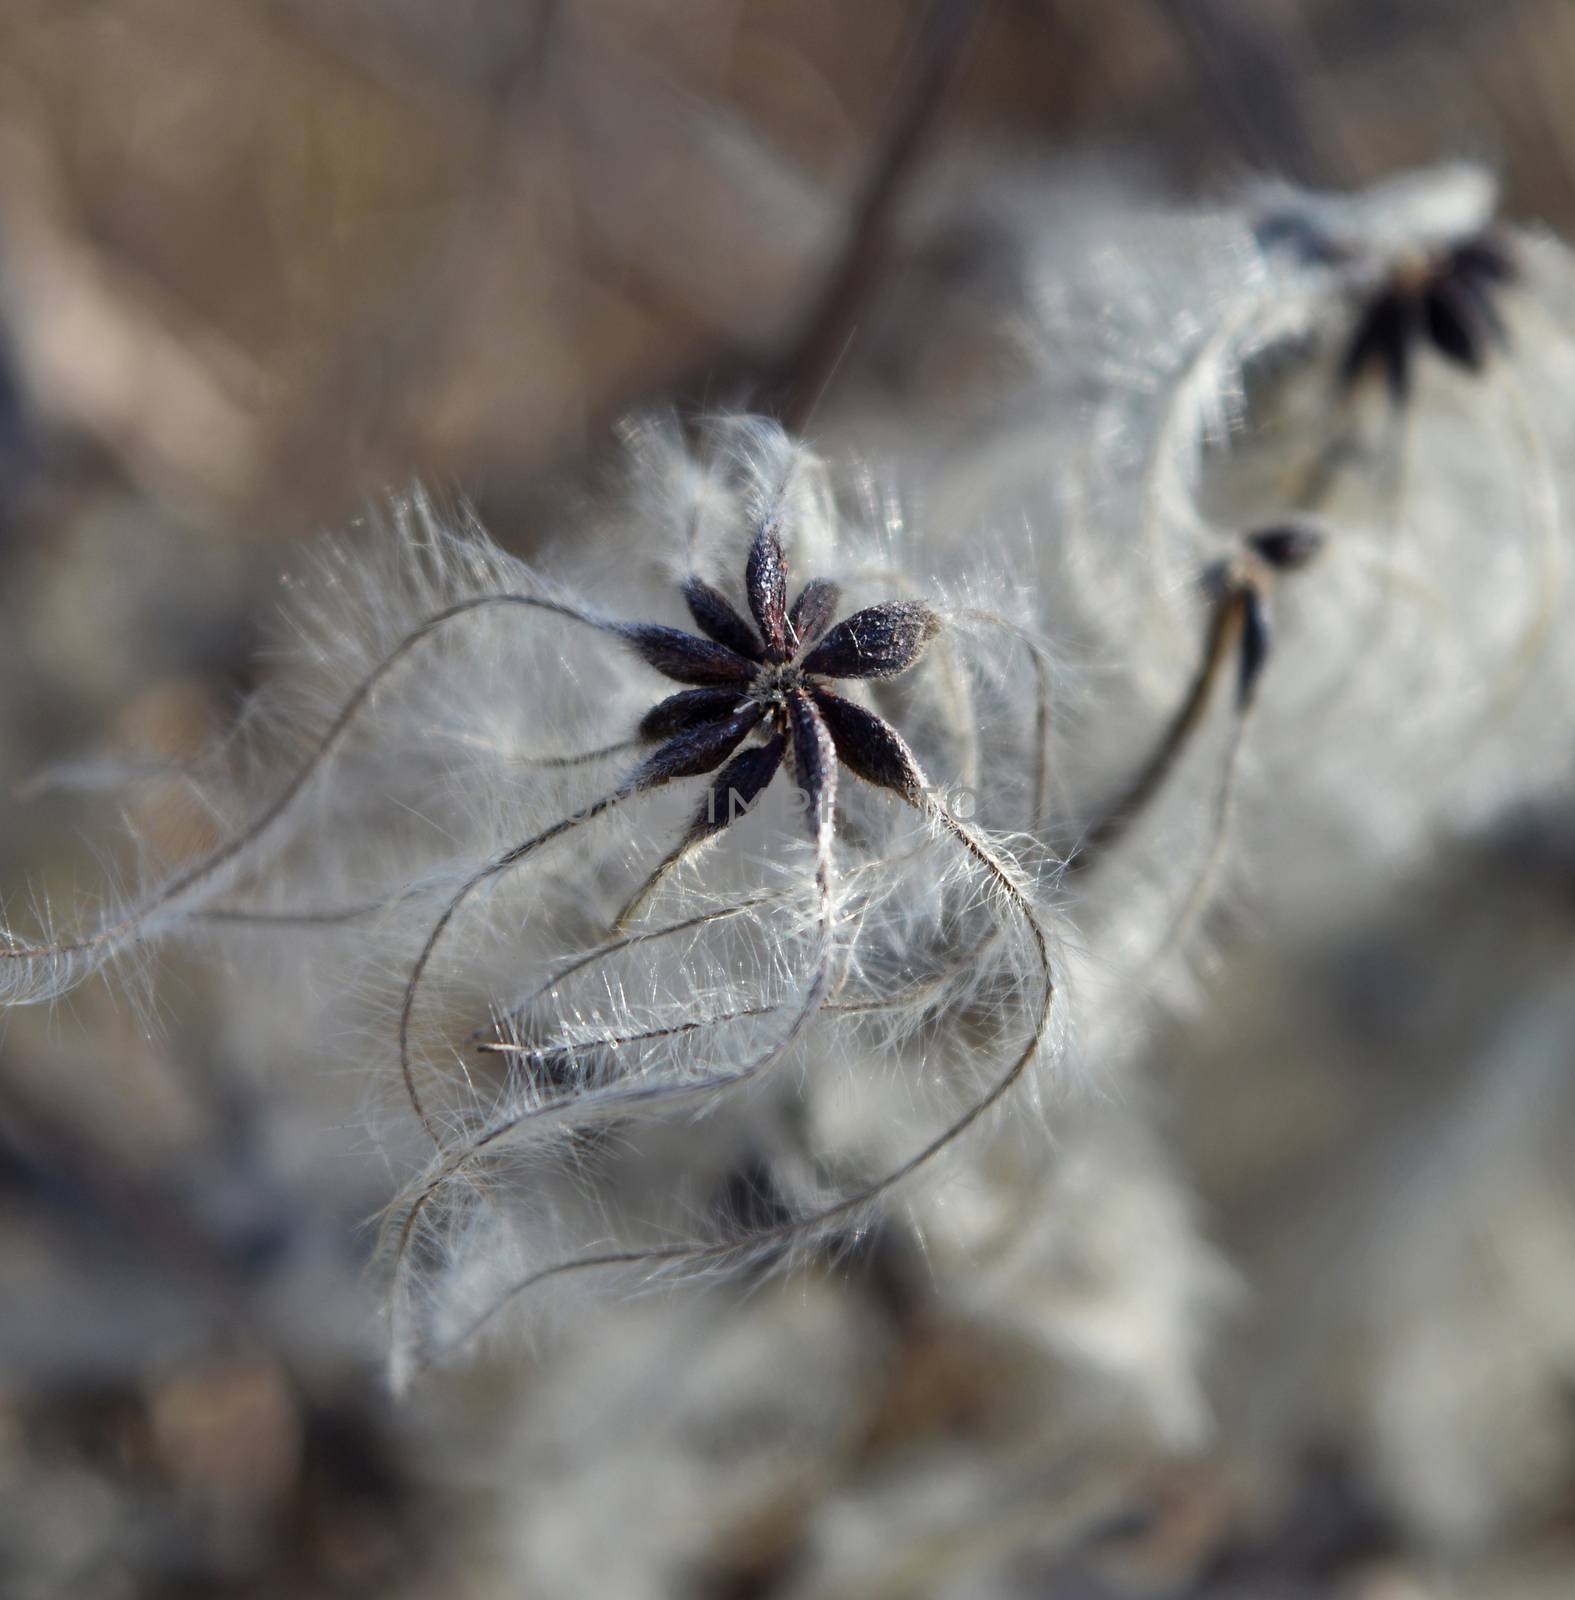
(1240, 544)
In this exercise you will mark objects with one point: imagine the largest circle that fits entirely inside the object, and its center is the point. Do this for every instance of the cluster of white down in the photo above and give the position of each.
(1182, 391)
(724, 1086)
(717, 1084)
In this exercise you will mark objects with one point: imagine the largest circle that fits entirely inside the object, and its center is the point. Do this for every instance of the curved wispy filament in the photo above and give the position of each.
(61, 957)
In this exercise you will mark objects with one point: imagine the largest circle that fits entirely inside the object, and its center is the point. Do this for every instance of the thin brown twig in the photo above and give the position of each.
(941, 50)
(1230, 615)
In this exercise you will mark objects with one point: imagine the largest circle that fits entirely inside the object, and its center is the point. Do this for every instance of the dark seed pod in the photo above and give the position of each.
(1454, 326)
(689, 708)
(1449, 302)
(684, 658)
(1383, 343)
(813, 610)
(699, 749)
(765, 582)
(870, 747)
(878, 642)
(1254, 647)
(717, 619)
(1287, 547)
(1486, 258)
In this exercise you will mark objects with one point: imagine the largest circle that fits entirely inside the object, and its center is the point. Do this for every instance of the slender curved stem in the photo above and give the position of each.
(664, 869)
(1191, 907)
(611, 947)
(1196, 380)
(478, 1146)
(780, 1233)
(330, 916)
(301, 916)
(585, 758)
(229, 853)
(1042, 676)
(809, 1006)
(1225, 631)
(889, 1002)
(803, 375)
(501, 864)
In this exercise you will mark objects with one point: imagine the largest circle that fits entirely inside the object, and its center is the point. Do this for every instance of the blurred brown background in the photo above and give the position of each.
(261, 259)
(263, 256)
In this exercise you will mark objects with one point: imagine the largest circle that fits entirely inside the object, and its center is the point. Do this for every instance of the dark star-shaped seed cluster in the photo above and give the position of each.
(1448, 300)
(771, 678)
